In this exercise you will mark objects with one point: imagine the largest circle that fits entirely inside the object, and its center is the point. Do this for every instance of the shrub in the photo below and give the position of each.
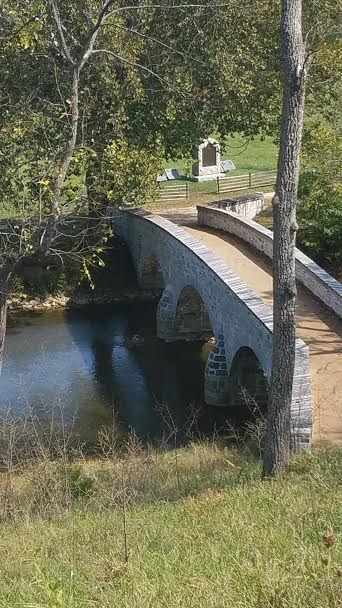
(307, 181)
(80, 484)
(320, 215)
(320, 191)
(127, 174)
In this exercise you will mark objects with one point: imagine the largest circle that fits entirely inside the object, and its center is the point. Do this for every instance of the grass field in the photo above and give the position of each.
(255, 156)
(265, 218)
(201, 530)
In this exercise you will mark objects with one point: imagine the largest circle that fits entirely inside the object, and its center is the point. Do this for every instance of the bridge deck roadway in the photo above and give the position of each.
(319, 328)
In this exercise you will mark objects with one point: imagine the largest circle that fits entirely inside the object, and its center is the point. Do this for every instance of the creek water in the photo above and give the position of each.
(105, 364)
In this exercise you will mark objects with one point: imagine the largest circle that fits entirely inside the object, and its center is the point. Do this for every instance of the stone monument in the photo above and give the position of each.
(208, 165)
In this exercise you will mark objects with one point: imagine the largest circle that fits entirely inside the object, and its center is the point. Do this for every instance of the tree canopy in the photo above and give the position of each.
(157, 78)
(95, 93)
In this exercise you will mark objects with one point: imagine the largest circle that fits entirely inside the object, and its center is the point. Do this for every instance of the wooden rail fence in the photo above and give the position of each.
(169, 193)
(246, 182)
(233, 183)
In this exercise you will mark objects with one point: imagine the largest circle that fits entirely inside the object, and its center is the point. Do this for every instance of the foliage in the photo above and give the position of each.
(308, 179)
(323, 151)
(325, 84)
(45, 278)
(80, 484)
(127, 174)
(320, 213)
(164, 78)
(320, 209)
(223, 77)
(320, 192)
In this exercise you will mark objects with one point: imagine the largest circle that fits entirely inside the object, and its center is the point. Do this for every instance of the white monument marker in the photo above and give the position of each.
(208, 166)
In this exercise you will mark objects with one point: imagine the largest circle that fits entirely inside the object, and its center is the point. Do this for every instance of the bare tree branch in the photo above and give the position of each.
(57, 18)
(160, 42)
(142, 67)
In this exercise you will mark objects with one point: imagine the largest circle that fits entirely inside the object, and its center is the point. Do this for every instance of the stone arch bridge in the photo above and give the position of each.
(201, 296)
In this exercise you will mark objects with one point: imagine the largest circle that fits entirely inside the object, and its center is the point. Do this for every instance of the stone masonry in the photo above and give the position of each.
(238, 318)
(216, 375)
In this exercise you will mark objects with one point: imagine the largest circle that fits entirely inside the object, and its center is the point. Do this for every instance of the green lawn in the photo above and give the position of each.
(265, 218)
(255, 156)
(201, 530)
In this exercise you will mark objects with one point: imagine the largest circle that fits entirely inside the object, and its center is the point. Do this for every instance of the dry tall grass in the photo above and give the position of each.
(136, 525)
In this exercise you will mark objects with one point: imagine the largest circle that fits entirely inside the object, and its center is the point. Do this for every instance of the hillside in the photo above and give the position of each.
(200, 529)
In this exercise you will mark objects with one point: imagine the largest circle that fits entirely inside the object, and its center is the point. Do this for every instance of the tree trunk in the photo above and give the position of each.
(71, 147)
(4, 278)
(49, 232)
(277, 447)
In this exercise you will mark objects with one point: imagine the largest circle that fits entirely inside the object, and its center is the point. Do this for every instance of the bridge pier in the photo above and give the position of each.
(216, 381)
(149, 273)
(166, 316)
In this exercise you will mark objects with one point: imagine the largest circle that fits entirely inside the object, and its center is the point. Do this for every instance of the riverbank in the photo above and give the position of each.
(188, 528)
(43, 288)
(80, 300)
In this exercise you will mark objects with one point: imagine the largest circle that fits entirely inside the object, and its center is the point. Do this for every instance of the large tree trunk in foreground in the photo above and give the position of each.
(277, 446)
(4, 278)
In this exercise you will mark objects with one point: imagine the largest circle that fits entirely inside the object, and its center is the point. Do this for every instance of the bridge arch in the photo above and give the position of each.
(248, 381)
(183, 313)
(192, 320)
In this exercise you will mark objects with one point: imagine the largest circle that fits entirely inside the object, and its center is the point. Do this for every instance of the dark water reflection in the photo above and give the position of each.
(91, 363)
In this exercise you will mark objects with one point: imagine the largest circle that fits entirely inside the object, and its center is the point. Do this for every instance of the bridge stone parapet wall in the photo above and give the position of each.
(201, 293)
(312, 276)
(248, 206)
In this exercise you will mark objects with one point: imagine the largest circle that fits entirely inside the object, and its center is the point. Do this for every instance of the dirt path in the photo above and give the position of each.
(320, 329)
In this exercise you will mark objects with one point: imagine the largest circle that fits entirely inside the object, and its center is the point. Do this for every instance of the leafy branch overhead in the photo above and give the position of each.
(95, 92)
